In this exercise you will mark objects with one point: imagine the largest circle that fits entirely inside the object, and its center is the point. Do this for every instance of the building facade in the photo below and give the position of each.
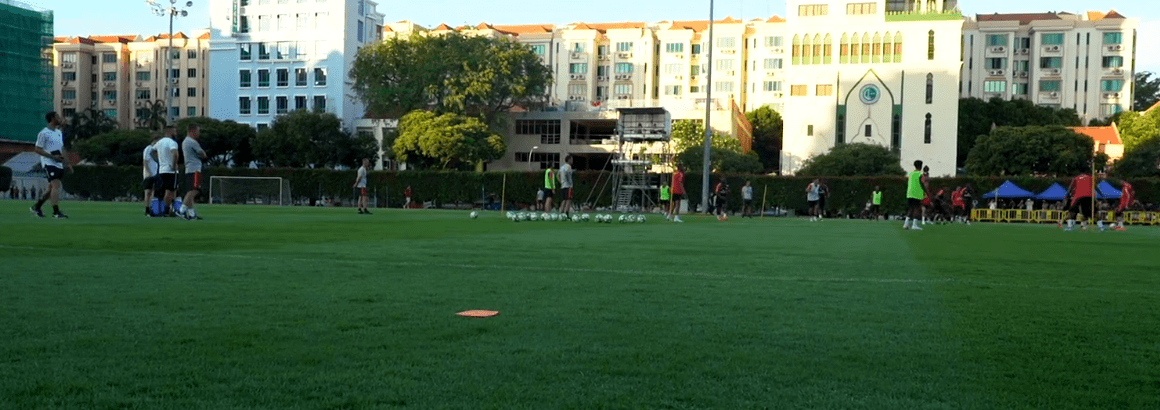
(1083, 61)
(124, 77)
(25, 69)
(270, 57)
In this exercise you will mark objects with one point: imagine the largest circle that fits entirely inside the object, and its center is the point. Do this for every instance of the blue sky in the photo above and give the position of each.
(87, 17)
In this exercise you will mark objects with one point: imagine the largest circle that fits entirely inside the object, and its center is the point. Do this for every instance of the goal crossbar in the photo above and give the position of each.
(281, 185)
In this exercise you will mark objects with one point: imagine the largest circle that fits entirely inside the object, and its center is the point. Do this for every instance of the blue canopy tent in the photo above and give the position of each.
(1106, 191)
(1055, 193)
(1009, 190)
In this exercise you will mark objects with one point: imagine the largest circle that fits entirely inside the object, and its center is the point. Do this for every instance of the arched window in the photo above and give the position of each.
(926, 130)
(929, 88)
(844, 57)
(855, 49)
(930, 45)
(866, 48)
(807, 49)
(797, 49)
(898, 47)
(888, 48)
(828, 50)
(817, 49)
(877, 47)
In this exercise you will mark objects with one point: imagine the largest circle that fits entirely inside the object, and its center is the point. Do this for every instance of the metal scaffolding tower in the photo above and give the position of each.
(25, 69)
(637, 129)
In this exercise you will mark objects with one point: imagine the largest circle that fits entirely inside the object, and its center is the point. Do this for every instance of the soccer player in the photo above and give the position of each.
(149, 171)
(678, 194)
(957, 203)
(360, 182)
(915, 192)
(721, 196)
(823, 194)
(812, 194)
(927, 201)
(565, 176)
(1080, 190)
(193, 153)
(540, 199)
(747, 197)
(968, 202)
(876, 202)
(407, 195)
(665, 197)
(50, 146)
(167, 157)
(1126, 199)
(549, 188)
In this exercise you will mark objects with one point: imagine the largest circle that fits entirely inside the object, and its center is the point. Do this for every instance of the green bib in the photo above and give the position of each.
(914, 185)
(877, 197)
(549, 182)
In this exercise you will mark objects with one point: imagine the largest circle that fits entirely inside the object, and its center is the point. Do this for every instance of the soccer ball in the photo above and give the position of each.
(546, 217)
(190, 214)
(584, 217)
(575, 218)
(511, 214)
(474, 214)
(523, 216)
(534, 216)
(641, 219)
(620, 219)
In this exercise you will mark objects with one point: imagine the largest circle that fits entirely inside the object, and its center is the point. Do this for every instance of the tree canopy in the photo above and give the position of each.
(87, 124)
(116, 147)
(449, 73)
(720, 160)
(977, 117)
(225, 142)
(689, 134)
(446, 141)
(303, 139)
(1138, 128)
(767, 136)
(1053, 150)
(1143, 161)
(1147, 90)
(855, 159)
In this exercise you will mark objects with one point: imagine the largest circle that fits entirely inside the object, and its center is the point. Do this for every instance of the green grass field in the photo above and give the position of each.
(311, 308)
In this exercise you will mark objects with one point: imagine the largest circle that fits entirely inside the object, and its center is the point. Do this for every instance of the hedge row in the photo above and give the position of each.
(848, 194)
(5, 178)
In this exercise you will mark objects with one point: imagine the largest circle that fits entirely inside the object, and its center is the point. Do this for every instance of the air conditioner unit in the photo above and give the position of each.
(770, 73)
(729, 51)
(577, 54)
(998, 49)
(110, 102)
(1025, 51)
(777, 95)
(1053, 71)
(623, 97)
(63, 83)
(66, 102)
(778, 50)
(996, 72)
(603, 57)
(623, 55)
(139, 84)
(623, 76)
(67, 65)
(1116, 47)
(1053, 95)
(680, 56)
(680, 77)
(110, 85)
(602, 78)
(1118, 71)
(1053, 49)
(730, 73)
(1022, 74)
(1111, 95)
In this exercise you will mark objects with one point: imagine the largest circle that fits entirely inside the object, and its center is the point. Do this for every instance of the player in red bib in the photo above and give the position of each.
(1081, 192)
(927, 202)
(957, 203)
(1128, 196)
(678, 194)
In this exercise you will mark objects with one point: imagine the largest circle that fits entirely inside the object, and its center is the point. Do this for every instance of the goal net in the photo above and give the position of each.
(249, 190)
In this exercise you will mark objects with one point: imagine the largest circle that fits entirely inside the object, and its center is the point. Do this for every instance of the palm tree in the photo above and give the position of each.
(87, 124)
(154, 114)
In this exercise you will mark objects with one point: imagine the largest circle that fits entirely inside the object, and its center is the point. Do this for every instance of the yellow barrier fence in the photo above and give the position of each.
(1054, 216)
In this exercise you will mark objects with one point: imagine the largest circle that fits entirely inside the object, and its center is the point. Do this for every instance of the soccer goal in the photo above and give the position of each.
(249, 190)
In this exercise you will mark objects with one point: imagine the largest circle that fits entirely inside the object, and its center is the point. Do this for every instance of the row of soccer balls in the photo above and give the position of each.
(599, 218)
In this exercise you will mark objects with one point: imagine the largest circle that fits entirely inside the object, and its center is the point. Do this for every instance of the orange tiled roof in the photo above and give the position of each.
(1153, 107)
(1095, 15)
(582, 26)
(1102, 135)
(1114, 15)
(387, 29)
(113, 38)
(443, 27)
(204, 36)
(775, 19)
(1024, 18)
(701, 25)
(614, 26)
(525, 28)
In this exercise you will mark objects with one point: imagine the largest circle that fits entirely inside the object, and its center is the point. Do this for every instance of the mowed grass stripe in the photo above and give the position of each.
(327, 310)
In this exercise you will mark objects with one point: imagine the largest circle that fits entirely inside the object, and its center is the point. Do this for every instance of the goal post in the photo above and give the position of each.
(249, 190)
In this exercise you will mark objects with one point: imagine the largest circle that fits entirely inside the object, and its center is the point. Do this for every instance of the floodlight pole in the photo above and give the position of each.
(706, 167)
(170, 83)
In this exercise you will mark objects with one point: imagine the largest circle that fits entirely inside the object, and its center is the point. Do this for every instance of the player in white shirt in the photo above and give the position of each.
(360, 182)
(149, 172)
(565, 176)
(167, 157)
(193, 153)
(50, 146)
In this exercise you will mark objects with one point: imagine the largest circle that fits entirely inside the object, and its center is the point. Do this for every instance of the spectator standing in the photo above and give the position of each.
(812, 195)
(747, 198)
(407, 197)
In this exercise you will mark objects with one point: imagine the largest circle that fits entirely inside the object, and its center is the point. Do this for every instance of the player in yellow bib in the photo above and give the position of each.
(915, 192)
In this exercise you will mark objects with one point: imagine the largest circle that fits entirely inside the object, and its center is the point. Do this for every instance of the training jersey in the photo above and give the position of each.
(52, 142)
(813, 192)
(1127, 196)
(150, 169)
(747, 193)
(192, 151)
(565, 176)
(166, 148)
(407, 192)
(957, 198)
(362, 177)
(914, 185)
(665, 194)
(877, 198)
(1083, 187)
(679, 182)
(549, 179)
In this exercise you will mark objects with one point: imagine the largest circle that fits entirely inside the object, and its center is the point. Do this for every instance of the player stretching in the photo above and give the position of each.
(747, 199)
(50, 146)
(678, 195)
(549, 188)
(1080, 191)
(360, 182)
(957, 204)
(149, 171)
(193, 153)
(167, 157)
(565, 176)
(1128, 195)
(915, 192)
(876, 203)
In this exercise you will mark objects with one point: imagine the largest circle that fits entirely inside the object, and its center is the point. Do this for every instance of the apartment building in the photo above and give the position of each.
(1080, 61)
(270, 57)
(123, 76)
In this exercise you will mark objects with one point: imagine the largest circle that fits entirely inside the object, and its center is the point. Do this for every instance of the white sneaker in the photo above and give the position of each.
(678, 220)
(916, 228)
